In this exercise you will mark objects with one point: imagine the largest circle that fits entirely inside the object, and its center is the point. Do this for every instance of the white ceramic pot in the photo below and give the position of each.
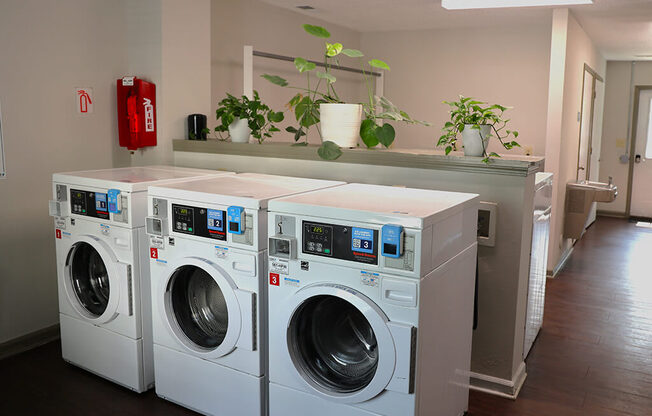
(340, 123)
(475, 141)
(239, 130)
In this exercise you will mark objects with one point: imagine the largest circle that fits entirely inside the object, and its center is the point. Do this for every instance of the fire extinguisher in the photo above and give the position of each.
(136, 113)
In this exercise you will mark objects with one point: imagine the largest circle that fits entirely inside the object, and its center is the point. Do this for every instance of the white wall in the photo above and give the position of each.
(48, 49)
(618, 99)
(580, 50)
(500, 64)
(274, 30)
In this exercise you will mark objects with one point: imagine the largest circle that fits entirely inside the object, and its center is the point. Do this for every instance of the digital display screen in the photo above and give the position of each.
(100, 202)
(317, 229)
(183, 211)
(215, 220)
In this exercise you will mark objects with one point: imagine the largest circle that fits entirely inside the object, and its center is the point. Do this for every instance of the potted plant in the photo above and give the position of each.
(244, 117)
(341, 123)
(476, 122)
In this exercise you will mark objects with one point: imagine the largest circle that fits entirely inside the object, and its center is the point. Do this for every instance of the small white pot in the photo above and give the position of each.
(239, 130)
(475, 141)
(340, 123)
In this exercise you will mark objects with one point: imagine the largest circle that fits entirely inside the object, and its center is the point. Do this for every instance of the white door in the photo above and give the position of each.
(341, 343)
(586, 127)
(205, 311)
(97, 285)
(641, 197)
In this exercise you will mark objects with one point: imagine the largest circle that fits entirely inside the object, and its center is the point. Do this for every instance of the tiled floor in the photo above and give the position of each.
(593, 356)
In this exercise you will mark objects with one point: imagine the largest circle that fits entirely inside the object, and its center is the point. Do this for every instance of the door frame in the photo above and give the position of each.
(632, 144)
(595, 78)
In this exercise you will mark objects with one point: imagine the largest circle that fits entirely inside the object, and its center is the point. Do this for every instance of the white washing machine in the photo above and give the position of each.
(103, 269)
(371, 301)
(208, 253)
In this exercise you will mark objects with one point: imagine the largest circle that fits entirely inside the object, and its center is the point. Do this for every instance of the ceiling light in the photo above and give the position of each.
(488, 4)
(306, 7)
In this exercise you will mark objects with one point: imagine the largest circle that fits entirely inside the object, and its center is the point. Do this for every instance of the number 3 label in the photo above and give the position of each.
(274, 279)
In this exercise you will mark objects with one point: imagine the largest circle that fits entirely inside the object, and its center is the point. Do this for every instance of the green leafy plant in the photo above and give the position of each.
(321, 90)
(471, 113)
(260, 118)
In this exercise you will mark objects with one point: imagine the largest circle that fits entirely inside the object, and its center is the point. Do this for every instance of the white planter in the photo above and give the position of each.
(475, 141)
(340, 123)
(239, 130)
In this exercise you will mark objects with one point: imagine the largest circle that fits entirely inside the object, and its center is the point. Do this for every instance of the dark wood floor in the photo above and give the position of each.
(593, 356)
(594, 353)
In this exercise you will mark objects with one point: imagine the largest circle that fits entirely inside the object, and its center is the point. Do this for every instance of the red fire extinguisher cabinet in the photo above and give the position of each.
(136, 113)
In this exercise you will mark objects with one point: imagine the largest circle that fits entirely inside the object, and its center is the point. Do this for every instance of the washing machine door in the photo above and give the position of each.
(205, 311)
(340, 343)
(98, 286)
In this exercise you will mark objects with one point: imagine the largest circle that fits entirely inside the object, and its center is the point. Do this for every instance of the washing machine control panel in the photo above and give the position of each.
(340, 241)
(89, 204)
(199, 221)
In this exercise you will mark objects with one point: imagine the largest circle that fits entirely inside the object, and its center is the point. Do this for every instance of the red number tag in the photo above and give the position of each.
(57, 233)
(153, 252)
(274, 279)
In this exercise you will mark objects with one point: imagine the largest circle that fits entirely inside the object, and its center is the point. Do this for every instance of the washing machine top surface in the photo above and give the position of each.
(252, 191)
(133, 179)
(410, 207)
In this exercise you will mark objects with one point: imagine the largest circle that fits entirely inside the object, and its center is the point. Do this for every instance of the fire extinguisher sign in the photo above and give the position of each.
(84, 100)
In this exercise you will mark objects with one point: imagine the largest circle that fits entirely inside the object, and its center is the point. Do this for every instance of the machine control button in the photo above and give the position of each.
(392, 240)
(236, 219)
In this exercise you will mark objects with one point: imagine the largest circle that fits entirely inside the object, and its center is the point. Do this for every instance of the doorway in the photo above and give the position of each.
(589, 117)
(640, 164)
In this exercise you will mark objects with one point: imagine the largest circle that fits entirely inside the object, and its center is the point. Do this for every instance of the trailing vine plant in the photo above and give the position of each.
(471, 113)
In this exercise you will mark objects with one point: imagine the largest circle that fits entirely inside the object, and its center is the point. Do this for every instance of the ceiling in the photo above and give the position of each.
(621, 29)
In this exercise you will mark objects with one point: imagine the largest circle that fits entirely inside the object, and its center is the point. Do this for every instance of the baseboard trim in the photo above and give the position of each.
(613, 214)
(562, 262)
(29, 341)
(499, 386)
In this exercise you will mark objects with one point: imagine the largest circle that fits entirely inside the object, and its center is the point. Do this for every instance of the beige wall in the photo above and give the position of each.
(48, 49)
(579, 51)
(501, 64)
(172, 49)
(618, 99)
(274, 30)
(55, 47)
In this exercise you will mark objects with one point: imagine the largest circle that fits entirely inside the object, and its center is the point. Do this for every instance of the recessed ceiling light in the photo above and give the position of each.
(306, 7)
(489, 4)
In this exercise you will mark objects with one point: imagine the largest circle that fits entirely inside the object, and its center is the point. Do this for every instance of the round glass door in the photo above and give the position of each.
(333, 344)
(89, 277)
(198, 306)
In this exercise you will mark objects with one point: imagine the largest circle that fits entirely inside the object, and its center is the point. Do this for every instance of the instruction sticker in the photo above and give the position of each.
(369, 278)
(221, 252)
(291, 282)
(60, 223)
(156, 241)
(279, 266)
